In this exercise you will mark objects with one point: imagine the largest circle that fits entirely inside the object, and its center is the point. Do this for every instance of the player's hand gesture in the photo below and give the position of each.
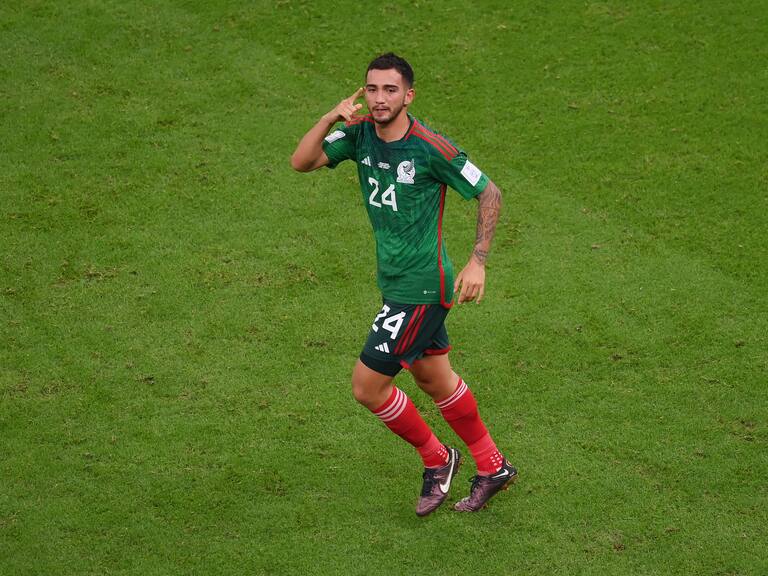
(346, 109)
(471, 280)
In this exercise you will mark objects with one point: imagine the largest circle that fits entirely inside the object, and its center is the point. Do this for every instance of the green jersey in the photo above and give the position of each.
(403, 184)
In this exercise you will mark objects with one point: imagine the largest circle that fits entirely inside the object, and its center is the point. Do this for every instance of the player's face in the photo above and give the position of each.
(387, 95)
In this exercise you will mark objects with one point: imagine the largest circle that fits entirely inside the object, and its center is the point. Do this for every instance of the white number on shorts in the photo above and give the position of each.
(384, 312)
(391, 324)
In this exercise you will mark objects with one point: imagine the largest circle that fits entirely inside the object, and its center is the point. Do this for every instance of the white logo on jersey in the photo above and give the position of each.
(383, 165)
(333, 136)
(382, 348)
(366, 161)
(406, 171)
(471, 173)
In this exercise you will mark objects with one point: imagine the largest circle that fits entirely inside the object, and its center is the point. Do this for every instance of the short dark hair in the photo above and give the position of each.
(390, 60)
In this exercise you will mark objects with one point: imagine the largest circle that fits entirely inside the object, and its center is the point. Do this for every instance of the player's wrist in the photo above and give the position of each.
(331, 118)
(478, 259)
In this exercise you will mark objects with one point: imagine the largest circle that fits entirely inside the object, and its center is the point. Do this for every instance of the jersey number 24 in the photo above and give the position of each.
(388, 197)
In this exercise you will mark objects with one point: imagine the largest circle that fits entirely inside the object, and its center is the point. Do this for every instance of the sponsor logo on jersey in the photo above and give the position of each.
(383, 165)
(333, 136)
(366, 161)
(406, 172)
(471, 173)
(382, 348)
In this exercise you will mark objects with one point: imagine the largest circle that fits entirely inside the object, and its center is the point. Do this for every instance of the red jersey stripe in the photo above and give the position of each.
(442, 151)
(440, 249)
(438, 138)
(443, 148)
(412, 128)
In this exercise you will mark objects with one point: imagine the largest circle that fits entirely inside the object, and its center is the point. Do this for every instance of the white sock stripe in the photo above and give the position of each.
(389, 408)
(396, 407)
(400, 410)
(400, 398)
(458, 393)
(455, 396)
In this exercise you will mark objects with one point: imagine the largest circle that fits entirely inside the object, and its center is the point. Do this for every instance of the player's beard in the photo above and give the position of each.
(393, 114)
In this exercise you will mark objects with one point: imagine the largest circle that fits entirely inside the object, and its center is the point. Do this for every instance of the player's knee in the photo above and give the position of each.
(370, 394)
(438, 385)
(426, 380)
(358, 391)
(430, 387)
(363, 393)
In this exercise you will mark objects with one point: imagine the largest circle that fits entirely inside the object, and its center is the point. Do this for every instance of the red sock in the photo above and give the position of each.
(401, 416)
(460, 411)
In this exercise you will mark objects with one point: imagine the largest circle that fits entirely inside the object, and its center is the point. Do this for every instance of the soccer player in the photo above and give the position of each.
(404, 168)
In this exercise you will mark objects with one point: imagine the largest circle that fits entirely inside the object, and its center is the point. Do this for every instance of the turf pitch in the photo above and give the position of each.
(179, 312)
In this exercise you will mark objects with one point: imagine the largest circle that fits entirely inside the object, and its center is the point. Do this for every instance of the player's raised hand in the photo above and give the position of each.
(347, 108)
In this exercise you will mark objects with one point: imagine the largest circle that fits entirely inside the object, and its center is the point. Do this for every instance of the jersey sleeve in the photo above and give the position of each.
(459, 173)
(340, 144)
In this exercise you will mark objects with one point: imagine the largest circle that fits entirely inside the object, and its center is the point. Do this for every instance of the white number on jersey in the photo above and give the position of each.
(388, 197)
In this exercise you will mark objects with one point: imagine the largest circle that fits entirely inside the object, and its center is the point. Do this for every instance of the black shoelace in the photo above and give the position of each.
(429, 481)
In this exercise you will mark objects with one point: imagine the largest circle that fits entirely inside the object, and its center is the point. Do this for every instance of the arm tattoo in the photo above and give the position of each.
(487, 216)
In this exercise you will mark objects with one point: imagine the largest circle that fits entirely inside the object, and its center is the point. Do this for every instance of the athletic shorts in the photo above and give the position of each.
(404, 333)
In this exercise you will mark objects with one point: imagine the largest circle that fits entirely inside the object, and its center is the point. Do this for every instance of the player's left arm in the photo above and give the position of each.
(471, 279)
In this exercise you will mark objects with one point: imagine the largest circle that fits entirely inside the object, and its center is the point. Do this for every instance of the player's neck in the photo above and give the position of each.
(394, 130)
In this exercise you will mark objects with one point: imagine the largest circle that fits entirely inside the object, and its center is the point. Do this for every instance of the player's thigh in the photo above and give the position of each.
(434, 375)
(369, 387)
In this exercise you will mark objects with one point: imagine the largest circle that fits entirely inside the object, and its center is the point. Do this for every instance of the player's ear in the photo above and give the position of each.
(410, 94)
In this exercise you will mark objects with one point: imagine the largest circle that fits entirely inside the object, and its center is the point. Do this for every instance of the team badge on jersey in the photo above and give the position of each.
(406, 172)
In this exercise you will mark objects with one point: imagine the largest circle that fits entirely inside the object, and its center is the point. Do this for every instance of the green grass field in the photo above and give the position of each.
(180, 312)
